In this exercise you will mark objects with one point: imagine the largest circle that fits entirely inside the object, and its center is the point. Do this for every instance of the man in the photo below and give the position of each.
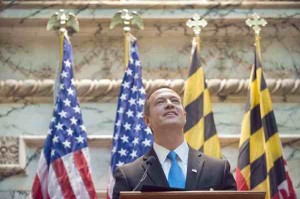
(175, 164)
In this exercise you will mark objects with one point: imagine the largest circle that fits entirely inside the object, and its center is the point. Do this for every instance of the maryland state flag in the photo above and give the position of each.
(200, 130)
(261, 166)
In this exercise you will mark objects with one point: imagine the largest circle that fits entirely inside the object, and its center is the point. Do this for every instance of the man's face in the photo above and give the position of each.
(165, 110)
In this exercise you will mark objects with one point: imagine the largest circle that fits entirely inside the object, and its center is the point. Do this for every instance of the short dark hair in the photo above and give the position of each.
(151, 91)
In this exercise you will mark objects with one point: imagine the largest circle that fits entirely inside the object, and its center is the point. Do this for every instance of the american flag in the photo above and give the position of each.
(64, 166)
(132, 138)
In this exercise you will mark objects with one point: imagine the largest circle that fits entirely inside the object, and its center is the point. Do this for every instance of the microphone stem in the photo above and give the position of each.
(143, 178)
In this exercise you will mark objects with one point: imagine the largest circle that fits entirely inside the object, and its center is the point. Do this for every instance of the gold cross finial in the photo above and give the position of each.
(196, 23)
(256, 22)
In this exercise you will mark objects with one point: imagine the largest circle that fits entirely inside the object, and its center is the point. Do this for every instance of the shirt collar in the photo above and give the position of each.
(162, 152)
(183, 151)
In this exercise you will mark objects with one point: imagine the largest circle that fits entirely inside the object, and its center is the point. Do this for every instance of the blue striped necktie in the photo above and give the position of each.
(176, 178)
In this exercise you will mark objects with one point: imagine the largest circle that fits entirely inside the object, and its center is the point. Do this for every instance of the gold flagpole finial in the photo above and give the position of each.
(62, 22)
(65, 24)
(126, 18)
(196, 23)
(256, 22)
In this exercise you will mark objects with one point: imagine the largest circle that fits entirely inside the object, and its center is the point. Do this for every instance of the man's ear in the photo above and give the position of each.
(147, 120)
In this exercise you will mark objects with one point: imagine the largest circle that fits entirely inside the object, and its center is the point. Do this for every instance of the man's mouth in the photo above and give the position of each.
(170, 113)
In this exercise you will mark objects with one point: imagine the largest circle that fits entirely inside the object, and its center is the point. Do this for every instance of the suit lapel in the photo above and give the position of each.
(194, 169)
(155, 172)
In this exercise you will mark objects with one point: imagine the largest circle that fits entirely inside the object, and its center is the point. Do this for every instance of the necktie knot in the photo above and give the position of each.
(172, 156)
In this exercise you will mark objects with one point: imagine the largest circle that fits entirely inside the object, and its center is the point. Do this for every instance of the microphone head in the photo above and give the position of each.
(150, 160)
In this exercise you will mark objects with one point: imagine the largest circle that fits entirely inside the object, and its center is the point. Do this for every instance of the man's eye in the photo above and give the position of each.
(175, 101)
(159, 102)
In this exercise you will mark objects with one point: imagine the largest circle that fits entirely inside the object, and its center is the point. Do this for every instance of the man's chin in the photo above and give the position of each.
(172, 124)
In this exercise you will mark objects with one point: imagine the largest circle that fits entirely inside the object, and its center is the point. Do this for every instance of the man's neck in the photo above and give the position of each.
(170, 140)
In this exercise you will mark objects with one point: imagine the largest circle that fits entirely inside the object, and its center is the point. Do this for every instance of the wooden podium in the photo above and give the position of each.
(193, 195)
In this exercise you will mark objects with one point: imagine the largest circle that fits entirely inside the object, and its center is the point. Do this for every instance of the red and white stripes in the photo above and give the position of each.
(111, 184)
(66, 177)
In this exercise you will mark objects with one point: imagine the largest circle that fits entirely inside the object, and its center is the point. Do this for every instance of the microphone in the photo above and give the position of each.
(149, 163)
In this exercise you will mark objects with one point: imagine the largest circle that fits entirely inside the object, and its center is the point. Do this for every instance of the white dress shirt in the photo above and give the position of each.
(182, 158)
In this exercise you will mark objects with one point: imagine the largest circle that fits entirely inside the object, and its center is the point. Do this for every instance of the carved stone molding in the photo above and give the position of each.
(105, 90)
(9, 150)
(146, 4)
(94, 16)
(12, 156)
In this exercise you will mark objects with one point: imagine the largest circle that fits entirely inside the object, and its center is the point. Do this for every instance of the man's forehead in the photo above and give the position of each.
(163, 92)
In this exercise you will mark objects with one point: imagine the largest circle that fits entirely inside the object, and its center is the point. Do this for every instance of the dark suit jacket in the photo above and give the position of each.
(211, 173)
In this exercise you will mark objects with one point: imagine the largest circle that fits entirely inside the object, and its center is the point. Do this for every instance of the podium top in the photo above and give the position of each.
(194, 195)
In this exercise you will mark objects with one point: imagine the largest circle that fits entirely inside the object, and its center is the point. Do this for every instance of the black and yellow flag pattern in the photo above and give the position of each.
(260, 162)
(200, 130)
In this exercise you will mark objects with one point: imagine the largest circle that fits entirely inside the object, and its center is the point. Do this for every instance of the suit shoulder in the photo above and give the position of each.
(212, 159)
(132, 165)
(206, 158)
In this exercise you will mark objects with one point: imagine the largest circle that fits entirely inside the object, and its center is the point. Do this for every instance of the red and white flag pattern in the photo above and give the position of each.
(64, 166)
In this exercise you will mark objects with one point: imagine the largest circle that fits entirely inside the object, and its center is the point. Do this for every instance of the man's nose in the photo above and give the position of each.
(169, 104)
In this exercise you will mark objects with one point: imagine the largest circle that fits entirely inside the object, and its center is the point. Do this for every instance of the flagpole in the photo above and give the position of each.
(64, 166)
(63, 23)
(140, 139)
(126, 18)
(256, 22)
(126, 49)
(272, 176)
(198, 40)
(196, 90)
(257, 45)
(196, 23)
